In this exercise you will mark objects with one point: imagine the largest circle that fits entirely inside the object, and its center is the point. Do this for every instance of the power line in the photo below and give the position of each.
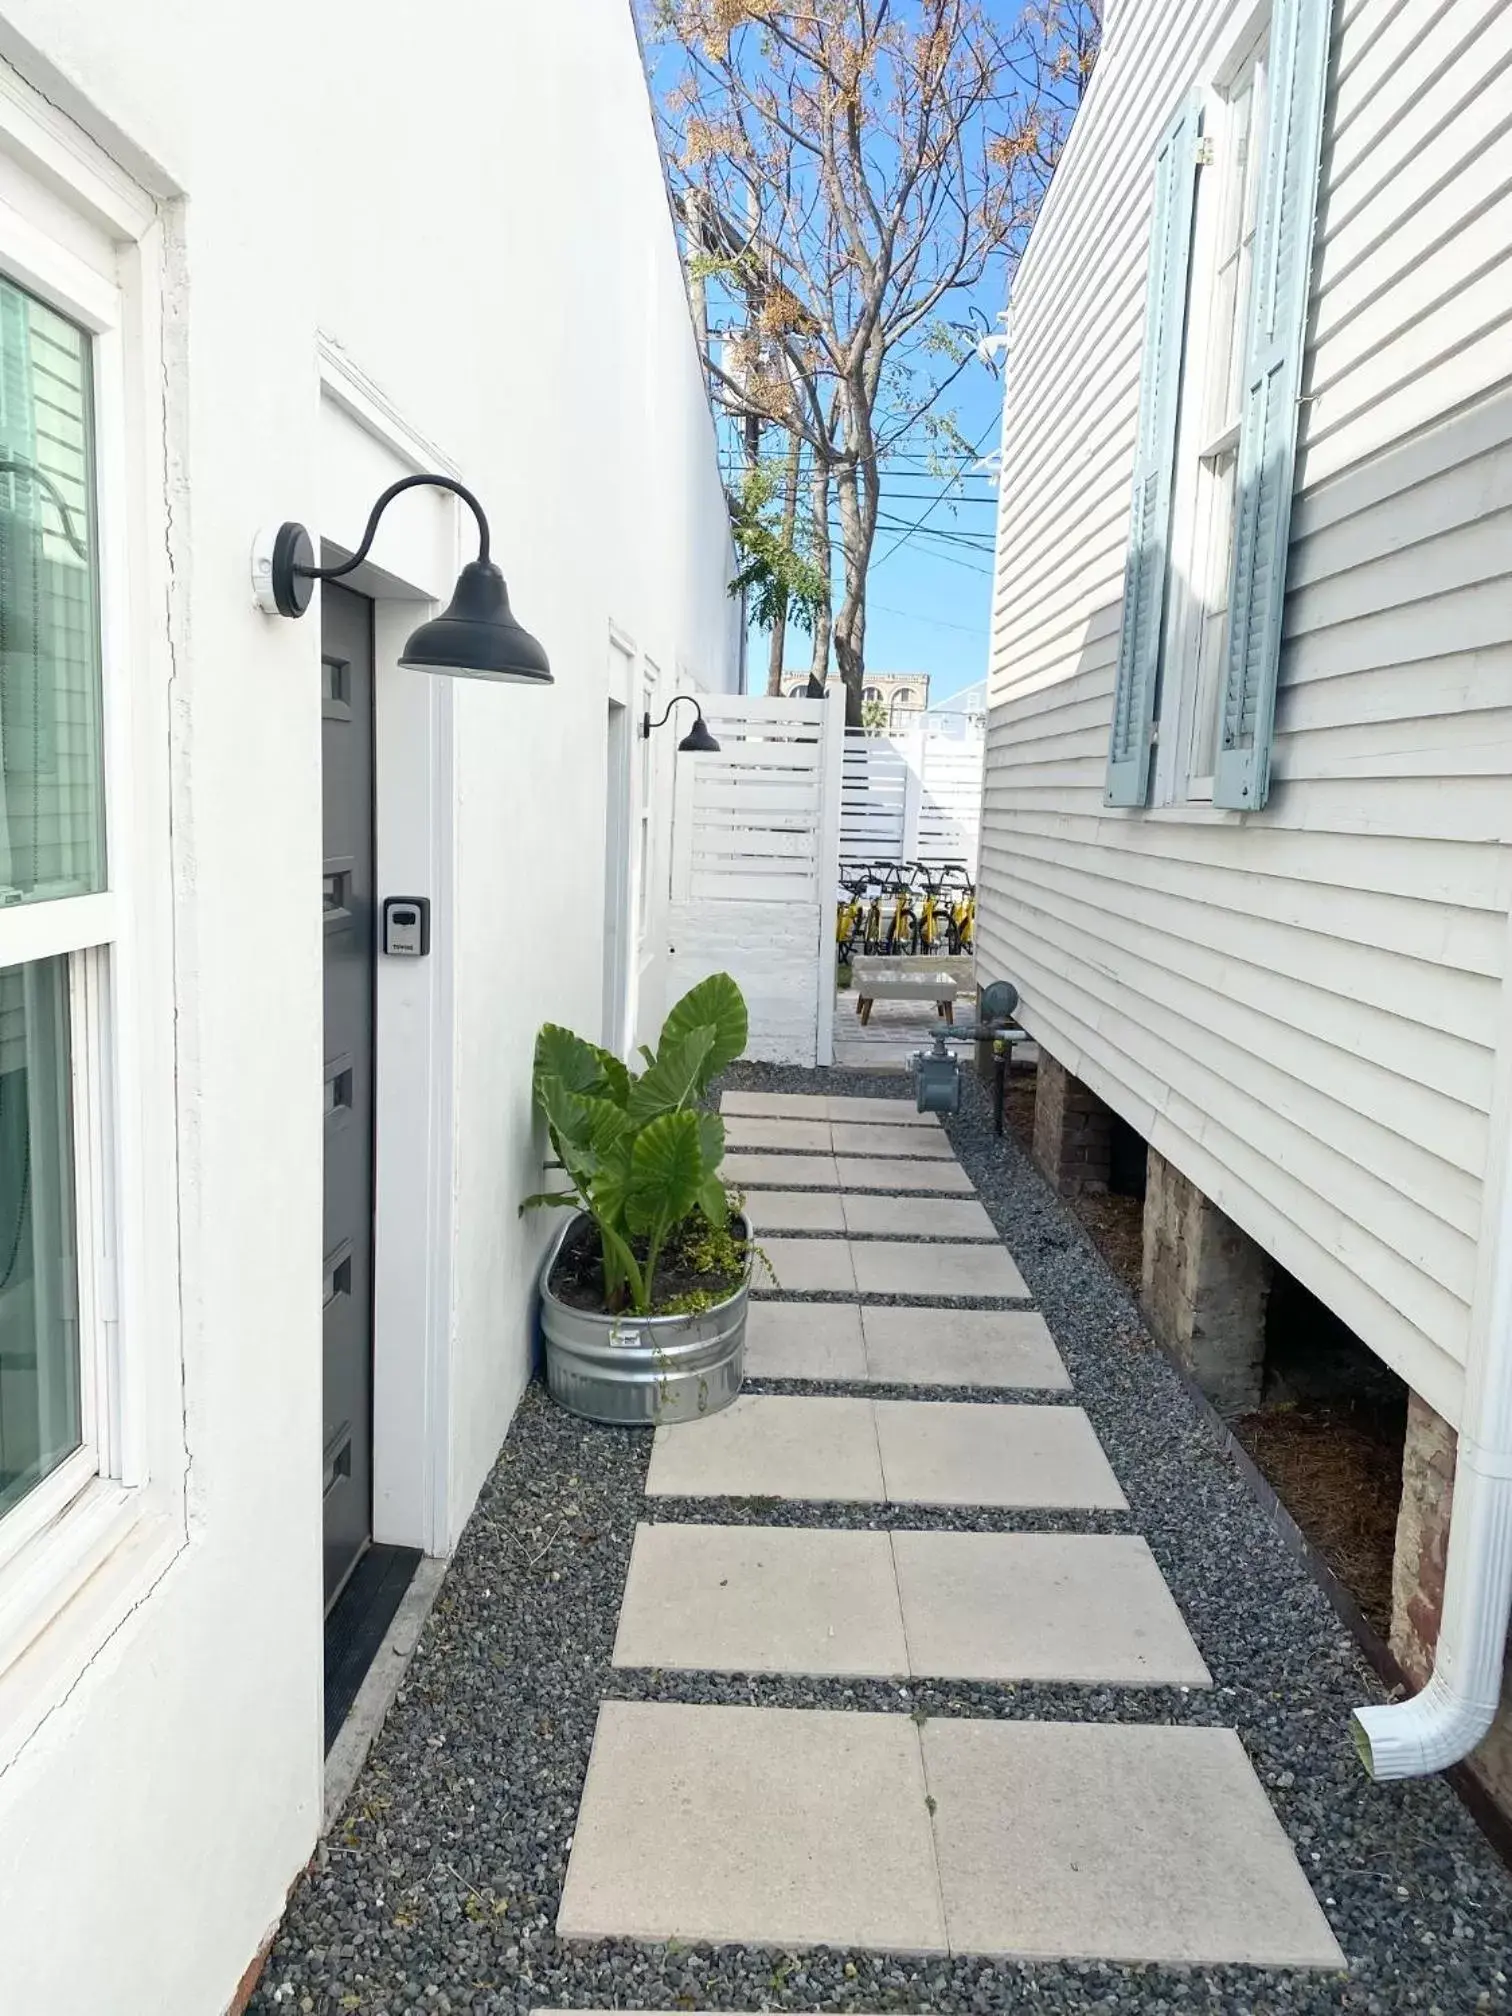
(950, 560)
(923, 496)
(978, 542)
(935, 622)
(918, 522)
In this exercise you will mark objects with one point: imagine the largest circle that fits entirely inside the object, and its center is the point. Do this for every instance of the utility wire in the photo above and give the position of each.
(935, 622)
(918, 522)
(977, 542)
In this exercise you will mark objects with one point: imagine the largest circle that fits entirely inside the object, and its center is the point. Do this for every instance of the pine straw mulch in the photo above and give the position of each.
(1337, 1468)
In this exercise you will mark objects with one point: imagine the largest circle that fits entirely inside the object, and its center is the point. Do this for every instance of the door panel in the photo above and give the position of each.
(350, 952)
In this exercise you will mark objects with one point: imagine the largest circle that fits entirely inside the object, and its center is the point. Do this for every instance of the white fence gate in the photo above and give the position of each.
(912, 798)
(755, 842)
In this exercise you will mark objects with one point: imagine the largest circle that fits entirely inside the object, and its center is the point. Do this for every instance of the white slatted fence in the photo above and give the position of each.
(912, 798)
(755, 840)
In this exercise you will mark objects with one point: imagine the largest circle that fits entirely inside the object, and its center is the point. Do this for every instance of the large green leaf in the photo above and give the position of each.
(616, 1077)
(711, 1139)
(666, 1174)
(717, 1004)
(567, 1123)
(714, 1200)
(576, 1065)
(609, 1129)
(546, 1199)
(587, 1133)
(675, 1079)
(583, 1121)
(611, 1180)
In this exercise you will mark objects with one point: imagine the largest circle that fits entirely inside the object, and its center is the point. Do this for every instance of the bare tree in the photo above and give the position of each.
(853, 169)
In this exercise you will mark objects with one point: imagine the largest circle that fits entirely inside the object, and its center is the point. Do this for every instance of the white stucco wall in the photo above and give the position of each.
(468, 201)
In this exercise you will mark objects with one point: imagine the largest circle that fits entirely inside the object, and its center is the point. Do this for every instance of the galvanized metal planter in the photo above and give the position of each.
(641, 1371)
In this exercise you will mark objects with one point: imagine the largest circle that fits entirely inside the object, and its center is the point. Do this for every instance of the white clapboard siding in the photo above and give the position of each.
(915, 797)
(1301, 1010)
(755, 831)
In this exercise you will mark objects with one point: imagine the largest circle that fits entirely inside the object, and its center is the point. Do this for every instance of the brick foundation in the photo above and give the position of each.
(1073, 1131)
(1206, 1286)
(1417, 1580)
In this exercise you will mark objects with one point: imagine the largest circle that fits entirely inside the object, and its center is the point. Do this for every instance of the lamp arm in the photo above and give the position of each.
(393, 491)
(647, 724)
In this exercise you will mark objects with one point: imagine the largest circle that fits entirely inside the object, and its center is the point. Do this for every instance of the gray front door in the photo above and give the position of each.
(346, 640)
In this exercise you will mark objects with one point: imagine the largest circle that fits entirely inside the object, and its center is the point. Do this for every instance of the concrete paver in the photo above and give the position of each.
(1075, 1840)
(920, 1346)
(804, 1340)
(772, 1446)
(904, 1267)
(780, 1827)
(873, 1172)
(762, 1599)
(957, 1452)
(1085, 1608)
(916, 1217)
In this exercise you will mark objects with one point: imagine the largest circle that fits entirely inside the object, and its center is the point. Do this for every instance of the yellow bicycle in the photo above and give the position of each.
(961, 930)
(848, 914)
(903, 925)
(934, 912)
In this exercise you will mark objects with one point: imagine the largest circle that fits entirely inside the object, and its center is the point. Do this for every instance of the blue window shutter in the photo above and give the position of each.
(1154, 455)
(1273, 380)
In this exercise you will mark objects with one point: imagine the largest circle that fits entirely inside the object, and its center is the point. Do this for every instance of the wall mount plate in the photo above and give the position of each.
(277, 551)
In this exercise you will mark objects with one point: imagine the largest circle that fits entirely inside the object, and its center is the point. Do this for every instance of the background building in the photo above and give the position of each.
(905, 695)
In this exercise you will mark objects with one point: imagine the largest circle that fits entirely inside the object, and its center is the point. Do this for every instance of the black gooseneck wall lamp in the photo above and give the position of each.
(698, 741)
(474, 637)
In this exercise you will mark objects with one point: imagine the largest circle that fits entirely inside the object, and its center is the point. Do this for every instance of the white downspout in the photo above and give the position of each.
(1455, 1710)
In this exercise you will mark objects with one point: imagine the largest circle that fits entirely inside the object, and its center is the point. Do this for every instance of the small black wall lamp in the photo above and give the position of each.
(474, 637)
(698, 741)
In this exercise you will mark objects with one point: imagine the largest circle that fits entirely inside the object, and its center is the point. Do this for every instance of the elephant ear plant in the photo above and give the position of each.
(641, 1157)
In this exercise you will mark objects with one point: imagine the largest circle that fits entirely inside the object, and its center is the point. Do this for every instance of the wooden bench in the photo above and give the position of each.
(903, 980)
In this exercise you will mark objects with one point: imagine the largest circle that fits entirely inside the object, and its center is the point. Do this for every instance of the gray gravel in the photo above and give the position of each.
(438, 1889)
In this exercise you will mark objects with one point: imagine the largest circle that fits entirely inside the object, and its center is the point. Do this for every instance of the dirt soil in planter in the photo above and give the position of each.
(577, 1278)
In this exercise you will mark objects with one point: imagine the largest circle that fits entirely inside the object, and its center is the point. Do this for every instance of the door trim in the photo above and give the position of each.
(363, 444)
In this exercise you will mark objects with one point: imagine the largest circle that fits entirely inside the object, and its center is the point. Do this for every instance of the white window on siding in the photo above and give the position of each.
(1212, 394)
(1230, 257)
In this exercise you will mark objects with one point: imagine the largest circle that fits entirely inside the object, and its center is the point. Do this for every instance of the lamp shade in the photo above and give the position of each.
(698, 741)
(476, 637)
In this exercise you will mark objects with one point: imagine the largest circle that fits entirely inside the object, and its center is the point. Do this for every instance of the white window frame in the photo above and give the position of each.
(1177, 786)
(110, 1492)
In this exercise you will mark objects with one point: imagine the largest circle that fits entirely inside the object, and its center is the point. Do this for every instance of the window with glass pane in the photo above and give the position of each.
(51, 778)
(1241, 123)
(52, 805)
(41, 1415)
